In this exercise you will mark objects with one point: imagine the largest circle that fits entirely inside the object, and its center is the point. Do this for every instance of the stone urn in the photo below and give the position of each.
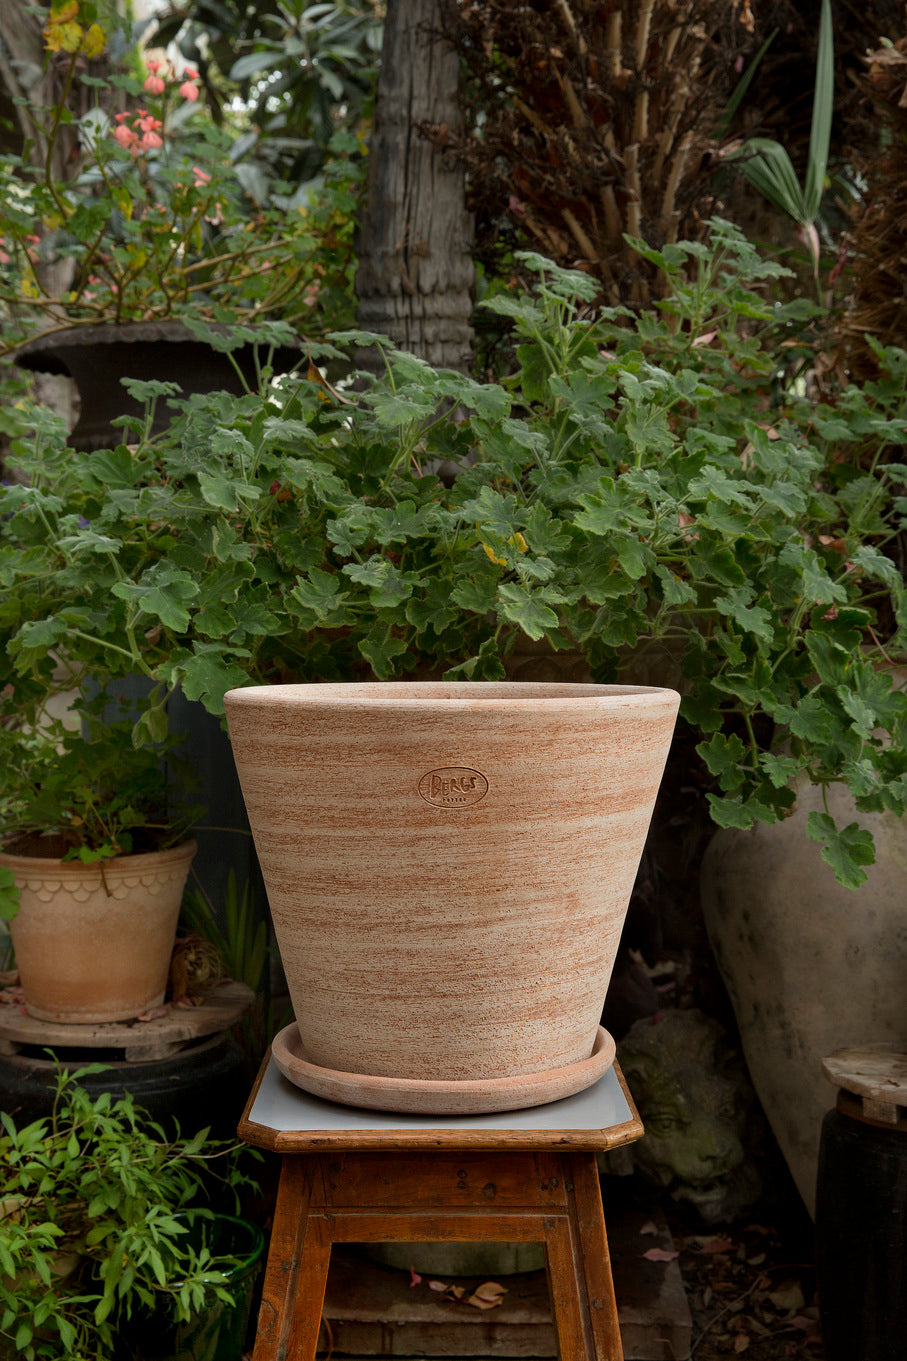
(810, 967)
(448, 867)
(93, 942)
(98, 357)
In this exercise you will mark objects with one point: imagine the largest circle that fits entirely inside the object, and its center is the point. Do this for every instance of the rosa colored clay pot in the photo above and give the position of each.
(448, 868)
(93, 942)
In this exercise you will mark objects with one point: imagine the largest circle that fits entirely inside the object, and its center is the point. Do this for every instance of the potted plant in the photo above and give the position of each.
(95, 1227)
(94, 810)
(124, 227)
(94, 856)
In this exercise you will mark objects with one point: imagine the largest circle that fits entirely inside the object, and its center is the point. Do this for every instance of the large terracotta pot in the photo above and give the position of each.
(448, 868)
(810, 966)
(93, 942)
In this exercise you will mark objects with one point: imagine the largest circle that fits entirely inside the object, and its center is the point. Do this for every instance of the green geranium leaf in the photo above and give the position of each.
(527, 609)
(163, 593)
(151, 727)
(724, 757)
(675, 591)
(730, 813)
(381, 652)
(9, 906)
(387, 585)
(845, 850)
(485, 665)
(39, 635)
(753, 618)
(634, 556)
(207, 675)
(832, 662)
(114, 467)
(476, 593)
(226, 493)
(150, 390)
(321, 593)
(87, 541)
(813, 721)
(779, 769)
(862, 714)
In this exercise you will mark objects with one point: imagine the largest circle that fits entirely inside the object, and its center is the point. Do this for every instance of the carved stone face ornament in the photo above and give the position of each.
(698, 1109)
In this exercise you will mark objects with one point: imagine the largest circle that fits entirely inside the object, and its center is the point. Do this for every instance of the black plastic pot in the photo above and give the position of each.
(861, 1245)
(203, 1085)
(218, 1331)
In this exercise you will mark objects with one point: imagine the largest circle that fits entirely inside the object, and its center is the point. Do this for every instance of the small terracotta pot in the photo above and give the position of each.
(448, 868)
(93, 942)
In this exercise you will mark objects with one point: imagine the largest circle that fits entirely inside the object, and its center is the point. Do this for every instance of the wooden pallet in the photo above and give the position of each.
(139, 1041)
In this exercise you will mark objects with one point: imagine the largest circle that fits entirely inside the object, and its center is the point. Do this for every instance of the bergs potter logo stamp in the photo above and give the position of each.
(453, 786)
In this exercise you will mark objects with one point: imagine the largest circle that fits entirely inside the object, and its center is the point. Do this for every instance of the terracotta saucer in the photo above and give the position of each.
(418, 1096)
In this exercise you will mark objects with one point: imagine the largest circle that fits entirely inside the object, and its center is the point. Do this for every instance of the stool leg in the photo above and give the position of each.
(579, 1271)
(296, 1275)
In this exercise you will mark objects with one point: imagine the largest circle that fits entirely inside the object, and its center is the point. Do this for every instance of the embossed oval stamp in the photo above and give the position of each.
(453, 786)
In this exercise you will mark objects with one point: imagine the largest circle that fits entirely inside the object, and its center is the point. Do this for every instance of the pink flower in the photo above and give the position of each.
(147, 123)
(201, 177)
(125, 136)
(4, 258)
(154, 85)
(154, 66)
(151, 140)
(189, 91)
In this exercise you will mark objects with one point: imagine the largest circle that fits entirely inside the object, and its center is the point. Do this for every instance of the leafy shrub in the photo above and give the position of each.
(638, 483)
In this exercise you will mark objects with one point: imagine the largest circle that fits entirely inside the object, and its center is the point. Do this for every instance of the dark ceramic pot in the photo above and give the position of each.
(96, 358)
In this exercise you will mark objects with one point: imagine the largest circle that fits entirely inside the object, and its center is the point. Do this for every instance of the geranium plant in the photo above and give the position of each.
(637, 484)
(159, 215)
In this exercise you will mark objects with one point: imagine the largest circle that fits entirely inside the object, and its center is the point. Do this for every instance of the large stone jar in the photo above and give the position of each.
(448, 868)
(810, 966)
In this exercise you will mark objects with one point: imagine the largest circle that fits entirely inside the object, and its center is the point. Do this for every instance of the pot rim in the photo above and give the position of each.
(451, 695)
(118, 864)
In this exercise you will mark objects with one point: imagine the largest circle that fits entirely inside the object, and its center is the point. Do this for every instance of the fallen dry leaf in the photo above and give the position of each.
(488, 1295)
(660, 1255)
(807, 1325)
(649, 1227)
(788, 1297)
(717, 1245)
(741, 1342)
(437, 1285)
(155, 1013)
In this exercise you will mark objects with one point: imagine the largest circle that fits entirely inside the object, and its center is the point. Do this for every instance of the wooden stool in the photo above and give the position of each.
(358, 1176)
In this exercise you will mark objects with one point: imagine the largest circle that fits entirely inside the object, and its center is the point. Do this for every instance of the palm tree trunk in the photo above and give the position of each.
(416, 271)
